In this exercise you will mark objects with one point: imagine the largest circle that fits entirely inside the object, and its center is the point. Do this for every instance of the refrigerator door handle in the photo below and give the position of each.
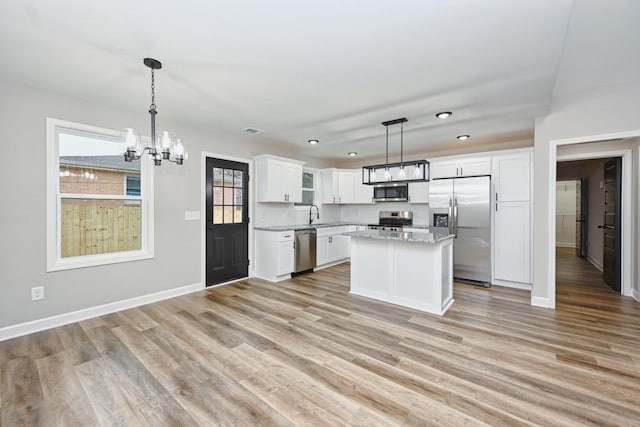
(455, 218)
(450, 222)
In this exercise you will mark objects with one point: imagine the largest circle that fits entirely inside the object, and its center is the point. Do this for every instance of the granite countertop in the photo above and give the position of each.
(425, 227)
(305, 226)
(404, 236)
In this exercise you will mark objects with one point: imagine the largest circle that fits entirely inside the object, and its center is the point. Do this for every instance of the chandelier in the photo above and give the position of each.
(163, 145)
(418, 170)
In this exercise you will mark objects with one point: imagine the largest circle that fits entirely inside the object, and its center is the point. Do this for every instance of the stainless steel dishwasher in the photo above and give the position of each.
(305, 246)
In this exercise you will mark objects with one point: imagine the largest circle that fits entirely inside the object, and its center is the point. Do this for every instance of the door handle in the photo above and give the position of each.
(455, 218)
(450, 214)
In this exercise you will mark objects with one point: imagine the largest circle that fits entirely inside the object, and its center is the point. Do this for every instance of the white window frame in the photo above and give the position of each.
(55, 262)
(316, 176)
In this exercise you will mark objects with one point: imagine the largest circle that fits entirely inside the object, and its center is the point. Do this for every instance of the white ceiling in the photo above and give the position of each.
(331, 70)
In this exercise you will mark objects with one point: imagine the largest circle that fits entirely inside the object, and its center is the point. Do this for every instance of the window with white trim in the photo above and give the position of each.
(99, 207)
(308, 188)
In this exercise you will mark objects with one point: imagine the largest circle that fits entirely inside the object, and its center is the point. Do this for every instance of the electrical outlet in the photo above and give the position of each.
(37, 293)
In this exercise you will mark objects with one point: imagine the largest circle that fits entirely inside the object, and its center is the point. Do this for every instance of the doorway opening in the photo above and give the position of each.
(622, 147)
(589, 220)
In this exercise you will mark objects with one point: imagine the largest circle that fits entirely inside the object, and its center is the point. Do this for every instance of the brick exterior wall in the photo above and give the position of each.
(77, 180)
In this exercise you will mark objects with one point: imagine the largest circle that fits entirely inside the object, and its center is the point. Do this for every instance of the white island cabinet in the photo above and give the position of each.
(414, 270)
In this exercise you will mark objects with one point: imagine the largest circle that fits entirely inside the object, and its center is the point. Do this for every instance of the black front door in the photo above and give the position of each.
(227, 221)
(612, 263)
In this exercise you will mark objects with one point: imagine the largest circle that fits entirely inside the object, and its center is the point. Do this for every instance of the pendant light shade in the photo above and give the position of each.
(396, 172)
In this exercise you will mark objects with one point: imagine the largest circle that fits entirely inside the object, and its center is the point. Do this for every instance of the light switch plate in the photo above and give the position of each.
(191, 215)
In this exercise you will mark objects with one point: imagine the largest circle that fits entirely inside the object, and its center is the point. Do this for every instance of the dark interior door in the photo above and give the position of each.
(581, 217)
(227, 221)
(612, 262)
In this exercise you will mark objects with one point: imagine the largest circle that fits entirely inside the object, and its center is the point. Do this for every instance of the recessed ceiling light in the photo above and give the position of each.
(444, 114)
(352, 153)
(463, 137)
(313, 141)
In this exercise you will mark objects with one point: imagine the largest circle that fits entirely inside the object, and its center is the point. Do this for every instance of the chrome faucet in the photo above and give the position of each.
(317, 213)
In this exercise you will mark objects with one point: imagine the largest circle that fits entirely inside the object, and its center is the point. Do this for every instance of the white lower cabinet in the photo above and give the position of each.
(285, 258)
(322, 250)
(512, 243)
(331, 245)
(274, 254)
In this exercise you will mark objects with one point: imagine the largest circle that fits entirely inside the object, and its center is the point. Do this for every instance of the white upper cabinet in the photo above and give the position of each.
(364, 193)
(452, 168)
(278, 179)
(341, 186)
(346, 186)
(512, 177)
(419, 192)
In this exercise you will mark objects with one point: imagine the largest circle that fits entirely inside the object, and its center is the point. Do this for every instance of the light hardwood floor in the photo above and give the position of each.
(305, 352)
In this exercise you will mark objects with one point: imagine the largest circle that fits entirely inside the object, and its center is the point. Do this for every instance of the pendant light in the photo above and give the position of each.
(395, 172)
(163, 146)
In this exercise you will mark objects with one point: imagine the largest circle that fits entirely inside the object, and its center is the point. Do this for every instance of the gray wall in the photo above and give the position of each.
(602, 111)
(177, 259)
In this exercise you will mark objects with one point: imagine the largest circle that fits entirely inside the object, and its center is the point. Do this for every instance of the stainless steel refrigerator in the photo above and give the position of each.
(462, 207)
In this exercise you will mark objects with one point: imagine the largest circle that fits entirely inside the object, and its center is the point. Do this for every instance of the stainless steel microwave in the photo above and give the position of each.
(391, 193)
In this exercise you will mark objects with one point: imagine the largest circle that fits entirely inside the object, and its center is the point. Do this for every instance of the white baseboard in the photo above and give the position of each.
(331, 264)
(565, 245)
(542, 302)
(273, 279)
(26, 328)
(515, 285)
(594, 263)
(635, 295)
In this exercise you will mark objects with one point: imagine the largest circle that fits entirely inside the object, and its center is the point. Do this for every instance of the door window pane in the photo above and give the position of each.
(217, 214)
(217, 176)
(228, 196)
(228, 214)
(237, 179)
(228, 178)
(217, 195)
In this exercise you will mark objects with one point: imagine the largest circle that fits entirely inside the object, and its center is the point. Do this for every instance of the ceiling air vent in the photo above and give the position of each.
(252, 130)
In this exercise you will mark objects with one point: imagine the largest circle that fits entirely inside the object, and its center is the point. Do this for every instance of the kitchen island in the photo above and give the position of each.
(411, 269)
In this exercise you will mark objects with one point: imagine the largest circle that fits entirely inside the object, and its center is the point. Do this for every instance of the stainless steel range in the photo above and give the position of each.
(392, 221)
